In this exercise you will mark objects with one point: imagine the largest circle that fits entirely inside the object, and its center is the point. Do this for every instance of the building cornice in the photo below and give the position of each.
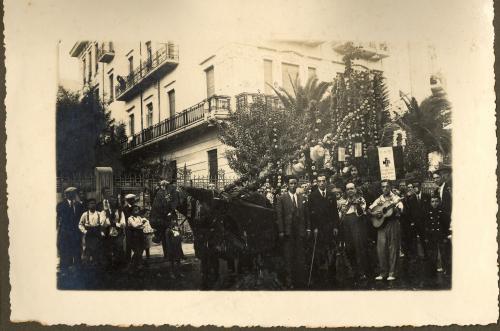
(78, 48)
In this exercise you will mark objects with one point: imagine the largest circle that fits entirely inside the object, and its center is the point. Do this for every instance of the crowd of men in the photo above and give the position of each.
(345, 214)
(317, 223)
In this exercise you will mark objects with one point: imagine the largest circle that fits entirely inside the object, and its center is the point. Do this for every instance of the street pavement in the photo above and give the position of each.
(156, 274)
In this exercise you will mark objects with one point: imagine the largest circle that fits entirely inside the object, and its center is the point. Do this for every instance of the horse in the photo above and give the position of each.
(229, 228)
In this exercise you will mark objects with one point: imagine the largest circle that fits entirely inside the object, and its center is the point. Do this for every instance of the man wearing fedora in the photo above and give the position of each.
(442, 178)
(69, 241)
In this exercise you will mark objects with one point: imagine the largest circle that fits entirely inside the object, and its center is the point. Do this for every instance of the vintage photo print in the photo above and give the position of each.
(272, 168)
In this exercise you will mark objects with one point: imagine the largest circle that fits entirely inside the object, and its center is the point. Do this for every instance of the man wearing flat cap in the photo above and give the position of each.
(69, 237)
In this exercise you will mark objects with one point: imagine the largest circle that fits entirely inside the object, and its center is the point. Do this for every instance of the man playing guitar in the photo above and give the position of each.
(388, 235)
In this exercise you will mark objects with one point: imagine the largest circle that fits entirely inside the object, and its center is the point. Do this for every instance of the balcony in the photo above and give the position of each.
(245, 100)
(105, 52)
(162, 61)
(371, 51)
(214, 108)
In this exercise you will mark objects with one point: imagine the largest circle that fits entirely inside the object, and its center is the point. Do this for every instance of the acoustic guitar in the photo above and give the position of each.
(387, 209)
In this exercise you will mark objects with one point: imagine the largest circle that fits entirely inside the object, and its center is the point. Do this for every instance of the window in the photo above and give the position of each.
(268, 76)
(210, 82)
(131, 124)
(111, 87)
(171, 103)
(90, 65)
(84, 70)
(311, 72)
(212, 164)
(95, 60)
(289, 71)
(130, 66)
(149, 115)
(149, 54)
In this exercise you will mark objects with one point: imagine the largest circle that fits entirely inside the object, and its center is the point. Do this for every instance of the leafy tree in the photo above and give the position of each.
(258, 138)
(85, 134)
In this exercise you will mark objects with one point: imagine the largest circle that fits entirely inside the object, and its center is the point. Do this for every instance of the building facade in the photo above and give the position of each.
(168, 95)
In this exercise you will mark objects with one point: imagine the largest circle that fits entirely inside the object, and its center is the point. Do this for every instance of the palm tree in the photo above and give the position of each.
(427, 121)
(314, 90)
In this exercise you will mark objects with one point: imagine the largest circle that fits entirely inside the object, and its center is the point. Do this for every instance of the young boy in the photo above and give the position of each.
(135, 224)
(148, 233)
(90, 225)
(114, 225)
(436, 224)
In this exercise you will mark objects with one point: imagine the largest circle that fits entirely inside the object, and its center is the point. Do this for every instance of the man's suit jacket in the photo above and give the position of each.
(417, 208)
(68, 218)
(446, 205)
(289, 222)
(446, 199)
(323, 212)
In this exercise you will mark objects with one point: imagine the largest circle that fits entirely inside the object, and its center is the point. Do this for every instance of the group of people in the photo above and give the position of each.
(316, 222)
(116, 234)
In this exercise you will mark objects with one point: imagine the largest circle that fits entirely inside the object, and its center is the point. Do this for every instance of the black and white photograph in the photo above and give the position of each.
(279, 163)
(275, 165)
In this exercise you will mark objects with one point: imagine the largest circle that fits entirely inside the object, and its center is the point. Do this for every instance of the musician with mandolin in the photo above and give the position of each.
(385, 212)
(354, 229)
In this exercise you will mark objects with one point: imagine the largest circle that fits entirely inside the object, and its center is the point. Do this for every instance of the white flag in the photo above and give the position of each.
(341, 154)
(358, 148)
(386, 163)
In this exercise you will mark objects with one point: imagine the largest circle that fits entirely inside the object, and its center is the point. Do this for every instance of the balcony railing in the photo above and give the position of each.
(245, 100)
(105, 52)
(214, 106)
(160, 59)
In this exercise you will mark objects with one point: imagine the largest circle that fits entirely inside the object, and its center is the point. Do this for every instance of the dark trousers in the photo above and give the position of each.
(324, 264)
(408, 238)
(128, 245)
(94, 245)
(433, 244)
(136, 246)
(114, 252)
(70, 248)
(295, 267)
(355, 236)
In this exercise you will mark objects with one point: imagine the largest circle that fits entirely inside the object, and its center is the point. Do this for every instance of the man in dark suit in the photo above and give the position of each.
(69, 238)
(292, 226)
(324, 218)
(418, 203)
(442, 178)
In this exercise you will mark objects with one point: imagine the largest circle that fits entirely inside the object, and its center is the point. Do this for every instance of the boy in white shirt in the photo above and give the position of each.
(135, 224)
(90, 225)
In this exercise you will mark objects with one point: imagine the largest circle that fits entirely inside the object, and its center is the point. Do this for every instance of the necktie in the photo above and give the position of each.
(323, 193)
(294, 201)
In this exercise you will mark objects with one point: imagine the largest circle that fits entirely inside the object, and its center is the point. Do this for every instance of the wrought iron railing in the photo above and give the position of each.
(105, 51)
(167, 53)
(245, 100)
(180, 120)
